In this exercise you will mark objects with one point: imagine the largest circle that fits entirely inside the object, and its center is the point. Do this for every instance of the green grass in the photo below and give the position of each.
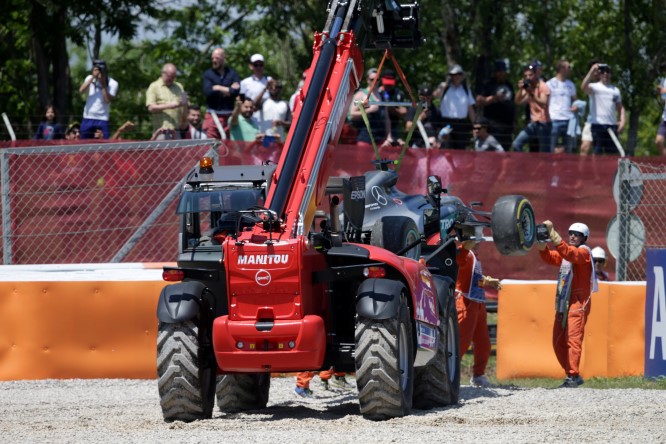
(627, 382)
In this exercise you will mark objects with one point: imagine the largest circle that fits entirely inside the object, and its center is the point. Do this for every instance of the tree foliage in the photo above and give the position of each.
(34, 64)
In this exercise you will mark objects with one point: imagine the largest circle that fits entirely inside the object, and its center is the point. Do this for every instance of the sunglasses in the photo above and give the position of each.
(258, 64)
(575, 233)
(477, 127)
(599, 261)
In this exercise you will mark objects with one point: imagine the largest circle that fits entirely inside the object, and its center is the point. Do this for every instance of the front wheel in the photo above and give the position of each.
(513, 225)
(385, 365)
(186, 383)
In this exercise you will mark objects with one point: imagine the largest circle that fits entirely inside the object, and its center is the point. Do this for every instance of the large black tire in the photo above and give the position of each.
(385, 365)
(513, 225)
(186, 388)
(237, 393)
(438, 383)
(393, 233)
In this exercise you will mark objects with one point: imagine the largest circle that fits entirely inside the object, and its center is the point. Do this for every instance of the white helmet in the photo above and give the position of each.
(598, 253)
(581, 228)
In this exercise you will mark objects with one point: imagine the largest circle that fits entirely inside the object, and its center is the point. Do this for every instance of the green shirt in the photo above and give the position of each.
(246, 130)
(159, 93)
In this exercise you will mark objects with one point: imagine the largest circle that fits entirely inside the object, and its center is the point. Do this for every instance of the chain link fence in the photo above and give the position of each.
(640, 192)
(105, 202)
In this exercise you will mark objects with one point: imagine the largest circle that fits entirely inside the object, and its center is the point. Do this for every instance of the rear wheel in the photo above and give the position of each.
(513, 225)
(185, 372)
(393, 233)
(385, 365)
(236, 393)
(438, 383)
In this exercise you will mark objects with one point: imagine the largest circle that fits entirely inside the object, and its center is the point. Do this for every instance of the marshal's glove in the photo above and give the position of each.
(554, 235)
(491, 282)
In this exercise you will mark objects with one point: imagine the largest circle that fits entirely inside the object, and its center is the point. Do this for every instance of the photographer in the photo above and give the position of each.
(575, 284)
(535, 93)
(102, 89)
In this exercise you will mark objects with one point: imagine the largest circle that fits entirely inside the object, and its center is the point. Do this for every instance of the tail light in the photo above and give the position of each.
(374, 272)
(173, 275)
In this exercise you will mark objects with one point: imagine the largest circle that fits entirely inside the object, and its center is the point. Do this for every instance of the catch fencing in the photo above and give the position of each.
(640, 192)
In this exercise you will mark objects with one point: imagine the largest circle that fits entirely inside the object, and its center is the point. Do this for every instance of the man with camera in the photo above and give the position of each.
(605, 102)
(102, 89)
(575, 284)
(534, 92)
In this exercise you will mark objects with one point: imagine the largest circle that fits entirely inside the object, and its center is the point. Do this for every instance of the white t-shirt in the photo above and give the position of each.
(561, 95)
(455, 103)
(273, 110)
(603, 100)
(96, 107)
(252, 87)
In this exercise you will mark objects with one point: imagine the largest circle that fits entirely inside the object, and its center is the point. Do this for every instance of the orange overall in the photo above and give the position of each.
(303, 378)
(568, 338)
(472, 315)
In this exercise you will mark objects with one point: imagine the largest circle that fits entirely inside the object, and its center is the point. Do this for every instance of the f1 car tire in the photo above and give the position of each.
(393, 233)
(385, 365)
(186, 389)
(238, 392)
(513, 225)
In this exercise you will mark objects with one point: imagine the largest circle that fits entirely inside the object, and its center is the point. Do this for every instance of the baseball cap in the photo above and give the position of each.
(425, 90)
(537, 63)
(256, 58)
(388, 78)
(500, 65)
(456, 69)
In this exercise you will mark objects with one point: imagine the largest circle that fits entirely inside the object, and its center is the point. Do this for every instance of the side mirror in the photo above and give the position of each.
(434, 185)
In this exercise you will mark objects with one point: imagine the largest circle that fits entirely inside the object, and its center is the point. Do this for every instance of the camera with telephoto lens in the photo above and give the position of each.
(101, 65)
(603, 67)
(527, 83)
(542, 233)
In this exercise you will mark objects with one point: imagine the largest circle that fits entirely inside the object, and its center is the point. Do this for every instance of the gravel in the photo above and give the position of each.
(119, 411)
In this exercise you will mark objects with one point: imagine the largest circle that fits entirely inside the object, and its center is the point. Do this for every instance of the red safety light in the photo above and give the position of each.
(206, 165)
(173, 275)
(374, 272)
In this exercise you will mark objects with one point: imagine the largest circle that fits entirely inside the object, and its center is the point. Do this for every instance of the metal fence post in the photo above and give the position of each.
(6, 209)
(623, 209)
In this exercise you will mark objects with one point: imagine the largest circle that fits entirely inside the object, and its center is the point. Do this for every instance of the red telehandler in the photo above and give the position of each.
(264, 286)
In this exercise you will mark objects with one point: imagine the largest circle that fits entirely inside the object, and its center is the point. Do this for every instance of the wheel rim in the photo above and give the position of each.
(403, 358)
(451, 348)
(527, 225)
(414, 252)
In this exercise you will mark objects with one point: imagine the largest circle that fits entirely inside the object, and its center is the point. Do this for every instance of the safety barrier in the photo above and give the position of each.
(103, 325)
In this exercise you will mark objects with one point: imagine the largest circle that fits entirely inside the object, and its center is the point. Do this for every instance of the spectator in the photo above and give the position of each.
(102, 89)
(166, 100)
(586, 135)
(243, 126)
(389, 93)
(471, 308)
(560, 106)
(127, 126)
(430, 119)
(73, 132)
(599, 260)
(254, 85)
(483, 140)
(274, 114)
(457, 108)
(661, 131)
(221, 85)
(605, 102)
(380, 124)
(49, 129)
(575, 284)
(533, 91)
(496, 102)
(292, 99)
(191, 129)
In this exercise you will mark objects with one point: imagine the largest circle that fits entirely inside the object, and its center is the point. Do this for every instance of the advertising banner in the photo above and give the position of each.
(655, 314)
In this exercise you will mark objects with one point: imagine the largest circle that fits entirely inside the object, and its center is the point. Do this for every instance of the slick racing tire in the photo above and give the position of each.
(438, 383)
(385, 365)
(240, 392)
(513, 225)
(393, 233)
(187, 391)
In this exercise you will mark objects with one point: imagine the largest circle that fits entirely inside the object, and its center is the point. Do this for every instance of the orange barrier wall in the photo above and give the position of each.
(78, 329)
(614, 336)
(105, 329)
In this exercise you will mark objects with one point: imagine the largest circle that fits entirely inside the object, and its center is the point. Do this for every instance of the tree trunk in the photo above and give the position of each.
(37, 15)
(451, 38)
(631, 105)
(60, 61)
